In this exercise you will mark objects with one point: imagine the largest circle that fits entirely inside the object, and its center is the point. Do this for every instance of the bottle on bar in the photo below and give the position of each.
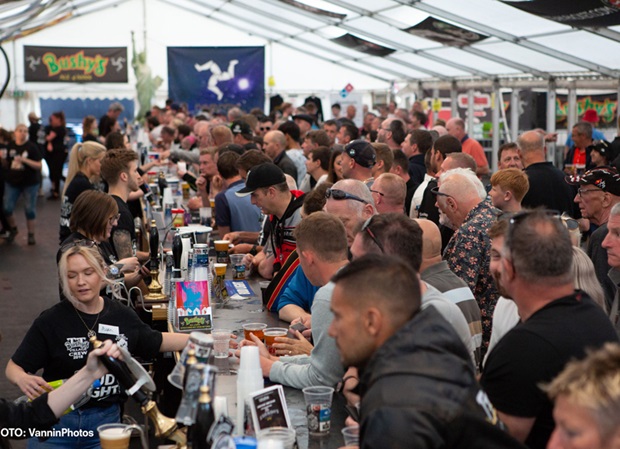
(205, 417)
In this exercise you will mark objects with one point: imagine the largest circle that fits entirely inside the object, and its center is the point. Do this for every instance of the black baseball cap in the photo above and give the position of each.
(241, 127)
(605, 178)
(263, 175)
(362, 152)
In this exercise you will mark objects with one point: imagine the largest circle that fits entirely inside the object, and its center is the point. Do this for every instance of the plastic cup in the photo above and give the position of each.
(205, 216)
(221, 340)
(117, 436)
(249, 360)
(236, 260)
(283, 435)
(220, 269)
(319, 409)
(351, 435)
(257, 329)
(270, 337)
(221, 250)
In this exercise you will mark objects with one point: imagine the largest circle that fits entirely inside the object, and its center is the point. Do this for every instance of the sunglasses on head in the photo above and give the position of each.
(78, 243)
(371, 234)
(340, 195)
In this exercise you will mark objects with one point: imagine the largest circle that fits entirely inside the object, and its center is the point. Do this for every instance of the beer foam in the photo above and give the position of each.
(114, 434)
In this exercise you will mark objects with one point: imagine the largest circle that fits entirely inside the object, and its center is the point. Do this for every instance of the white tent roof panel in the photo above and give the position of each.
(484, 64)
(581, 43)
(412, 58)
(530, 57)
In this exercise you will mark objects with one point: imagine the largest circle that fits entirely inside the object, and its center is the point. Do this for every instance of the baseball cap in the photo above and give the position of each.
(602, 146)
(362, 153)
(263, 175)
(240, 127)
(306, 117)
(605, 178)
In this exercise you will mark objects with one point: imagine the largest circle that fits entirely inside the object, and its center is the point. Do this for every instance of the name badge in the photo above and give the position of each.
(107, 329)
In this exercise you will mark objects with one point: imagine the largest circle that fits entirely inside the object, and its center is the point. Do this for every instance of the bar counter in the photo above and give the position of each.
(232, 315)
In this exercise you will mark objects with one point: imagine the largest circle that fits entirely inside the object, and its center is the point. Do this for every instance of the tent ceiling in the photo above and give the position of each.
(518, 45)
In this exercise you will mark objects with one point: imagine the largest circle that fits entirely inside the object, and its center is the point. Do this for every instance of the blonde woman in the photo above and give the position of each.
(587, 402)
(585, 277)
(61, 350)
(84, 174)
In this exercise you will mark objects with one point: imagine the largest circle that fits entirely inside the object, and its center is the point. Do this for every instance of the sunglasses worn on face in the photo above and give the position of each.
(435, 191)
(340, 195)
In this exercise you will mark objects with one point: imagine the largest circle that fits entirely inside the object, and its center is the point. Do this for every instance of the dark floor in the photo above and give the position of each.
(28, 282)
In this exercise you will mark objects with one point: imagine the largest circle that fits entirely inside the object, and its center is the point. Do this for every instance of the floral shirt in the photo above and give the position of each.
(468, 255)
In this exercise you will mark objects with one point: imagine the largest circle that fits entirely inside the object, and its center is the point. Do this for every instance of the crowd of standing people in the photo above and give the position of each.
(452, 305)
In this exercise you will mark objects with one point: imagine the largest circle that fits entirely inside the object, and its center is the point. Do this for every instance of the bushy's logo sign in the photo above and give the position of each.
(75, 64)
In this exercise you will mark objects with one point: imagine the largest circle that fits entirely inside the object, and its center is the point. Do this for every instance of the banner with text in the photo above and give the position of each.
(75, 64)
(217, 75)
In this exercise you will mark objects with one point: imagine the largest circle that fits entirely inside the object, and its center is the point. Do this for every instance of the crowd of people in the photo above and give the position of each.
(453, 306)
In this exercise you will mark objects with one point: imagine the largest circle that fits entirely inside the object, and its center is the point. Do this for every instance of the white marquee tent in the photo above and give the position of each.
(381, 54)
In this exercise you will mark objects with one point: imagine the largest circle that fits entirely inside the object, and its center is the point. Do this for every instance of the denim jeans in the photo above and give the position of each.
(87, 419)
(11, 195)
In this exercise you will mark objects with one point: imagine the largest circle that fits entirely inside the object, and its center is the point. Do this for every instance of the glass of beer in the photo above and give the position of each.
(257, 329)
(117, 436)
(270, 337)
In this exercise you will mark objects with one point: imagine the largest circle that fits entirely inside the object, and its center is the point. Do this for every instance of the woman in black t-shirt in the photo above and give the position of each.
(56, 150)
(58, 343)
(93, 217)
(22, 165)
(84, 174)
(89, 129)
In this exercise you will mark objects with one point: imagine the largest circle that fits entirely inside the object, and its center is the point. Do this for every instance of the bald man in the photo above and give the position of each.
(389, 192)
(436, 272)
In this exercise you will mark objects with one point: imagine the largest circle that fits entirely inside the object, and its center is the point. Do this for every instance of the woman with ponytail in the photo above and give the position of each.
(84, 174)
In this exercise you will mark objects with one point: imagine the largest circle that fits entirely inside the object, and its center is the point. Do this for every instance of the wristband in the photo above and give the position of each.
(253, 251)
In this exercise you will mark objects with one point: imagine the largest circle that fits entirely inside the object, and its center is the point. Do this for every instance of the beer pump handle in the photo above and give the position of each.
(154, 245)
(177, 251)
(123, 375)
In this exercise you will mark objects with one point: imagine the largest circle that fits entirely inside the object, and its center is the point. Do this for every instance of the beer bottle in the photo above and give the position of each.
(205, 417)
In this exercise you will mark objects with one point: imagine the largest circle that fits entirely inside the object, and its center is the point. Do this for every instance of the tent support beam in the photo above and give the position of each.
(516, 40)
(270, 40)
(495, 115)
(514, 114)
(551, 97)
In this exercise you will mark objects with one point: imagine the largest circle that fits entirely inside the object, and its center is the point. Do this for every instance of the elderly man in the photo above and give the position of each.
(389, 192)
(322, 248)
(456, 128)
(612, 245)
(357, 161)
(352, 202)
(558, 324)
(599, 192)
(461, 201)
(547, 186)
(418, 388)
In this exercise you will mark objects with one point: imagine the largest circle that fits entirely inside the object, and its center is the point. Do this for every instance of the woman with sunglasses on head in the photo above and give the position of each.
(84, 174)
(93, 216)
(61, 350)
